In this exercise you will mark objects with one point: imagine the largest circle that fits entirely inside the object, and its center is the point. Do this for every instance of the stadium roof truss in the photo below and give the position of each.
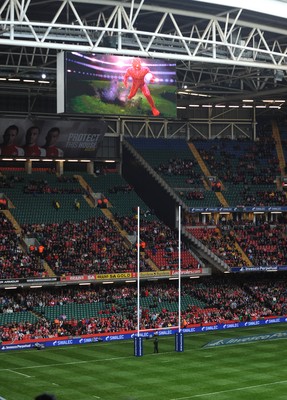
(222, 51)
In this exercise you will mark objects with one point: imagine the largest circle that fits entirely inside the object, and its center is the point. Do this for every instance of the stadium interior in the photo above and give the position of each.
(200, 198)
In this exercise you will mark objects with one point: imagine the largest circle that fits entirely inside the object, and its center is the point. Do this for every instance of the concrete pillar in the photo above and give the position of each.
(60, 167)
(90, 167)
(28, 167)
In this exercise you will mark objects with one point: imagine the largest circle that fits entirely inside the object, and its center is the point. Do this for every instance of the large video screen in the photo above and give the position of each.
(51, 139)
(118, 85)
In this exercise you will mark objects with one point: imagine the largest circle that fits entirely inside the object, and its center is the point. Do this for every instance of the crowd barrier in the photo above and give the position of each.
(108, 337)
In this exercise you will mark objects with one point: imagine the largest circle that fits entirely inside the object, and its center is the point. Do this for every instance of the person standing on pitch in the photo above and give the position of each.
(155, 345)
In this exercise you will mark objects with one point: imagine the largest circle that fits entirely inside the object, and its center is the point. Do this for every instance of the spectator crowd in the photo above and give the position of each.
(208, 301)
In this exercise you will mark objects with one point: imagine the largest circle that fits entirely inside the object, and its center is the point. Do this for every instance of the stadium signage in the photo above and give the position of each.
(62, 342)
(9, 281)
(28, 280)
(127, 275)
(153, 273)
(236, 209)
(262, 268)
(187, 271)
(133, 275)
(75, 139)
(33, 280)
(252, 323)
(230, 326)
(114, 276)
(246, 339)
(78, 278)
(210, 328)
(142, 334)
(115, 337)
(97, 277)
(273, 321)
(67, 341)
(168, 332)
(87, 340)
(17, 346)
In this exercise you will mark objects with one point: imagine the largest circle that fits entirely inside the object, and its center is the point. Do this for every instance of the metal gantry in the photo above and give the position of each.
(32, 32)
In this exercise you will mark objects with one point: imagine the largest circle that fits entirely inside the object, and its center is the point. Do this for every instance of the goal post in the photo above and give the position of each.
(138, 340)
(140, 335)
(179, 343)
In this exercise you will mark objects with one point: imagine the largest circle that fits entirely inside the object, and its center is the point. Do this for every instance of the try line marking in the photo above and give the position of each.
(229, 390)
(19, 373)
(61, 364)
(76, 362)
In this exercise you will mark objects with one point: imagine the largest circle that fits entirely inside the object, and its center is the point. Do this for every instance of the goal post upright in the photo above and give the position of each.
(138, 271)
(179, 268)
(179, 334)
(138, 340)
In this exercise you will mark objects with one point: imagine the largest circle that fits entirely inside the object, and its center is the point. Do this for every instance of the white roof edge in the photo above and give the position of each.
(276, 8)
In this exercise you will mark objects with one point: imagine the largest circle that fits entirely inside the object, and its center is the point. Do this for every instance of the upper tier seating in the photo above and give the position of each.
(33, 196)
(246, 168)
(175, 163)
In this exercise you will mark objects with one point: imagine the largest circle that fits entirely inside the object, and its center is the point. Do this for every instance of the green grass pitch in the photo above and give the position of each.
(110, 371)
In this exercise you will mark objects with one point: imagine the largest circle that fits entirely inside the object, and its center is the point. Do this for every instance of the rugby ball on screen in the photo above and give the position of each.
(149, 77)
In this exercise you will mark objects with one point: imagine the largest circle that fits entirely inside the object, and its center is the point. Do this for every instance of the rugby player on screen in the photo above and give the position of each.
(140, 77)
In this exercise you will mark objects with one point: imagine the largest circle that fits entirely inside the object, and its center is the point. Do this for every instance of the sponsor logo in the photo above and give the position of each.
(209, 328)
(189, 330)
(87, 340)
(247, 339)
(117, 337)
(17, 346)
(228, 326)
(273, 321)
(252, 323)
(163, 333)
(113, 276)
(62, 342)
(30, 280)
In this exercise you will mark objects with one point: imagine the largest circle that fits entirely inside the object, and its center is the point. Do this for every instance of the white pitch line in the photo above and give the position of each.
(82, 362)
(19, 373)
(68, 363)
(229, 390)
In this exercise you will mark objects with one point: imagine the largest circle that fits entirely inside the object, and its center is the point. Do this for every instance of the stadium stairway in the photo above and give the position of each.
(124, 234)
(219, 195)
(206, 172)
(279, 149)
(199, 249)
(110, 216)
(18, 230)
(48, 269)
(243, 255)
(84, 185)
(13, 221)
(154, 174)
